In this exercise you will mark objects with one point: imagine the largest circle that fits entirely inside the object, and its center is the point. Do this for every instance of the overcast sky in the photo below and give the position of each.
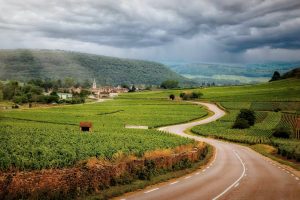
(169, 30)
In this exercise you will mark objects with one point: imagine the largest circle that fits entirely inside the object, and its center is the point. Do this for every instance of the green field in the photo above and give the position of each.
(264, 99)
(50, 137)
(282, 91)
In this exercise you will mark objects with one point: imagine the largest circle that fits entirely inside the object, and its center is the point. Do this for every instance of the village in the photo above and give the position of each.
(94, 92)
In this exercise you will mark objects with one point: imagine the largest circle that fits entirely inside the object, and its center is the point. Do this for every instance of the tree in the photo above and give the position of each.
(193, 95)
(182, 95)
(132, 89)
(282, 132)
(248, 115)
(169, 84)
(241, 123)
(276, 76)
(124, 85)
(245, 119)
(172, 96)
(196, 95)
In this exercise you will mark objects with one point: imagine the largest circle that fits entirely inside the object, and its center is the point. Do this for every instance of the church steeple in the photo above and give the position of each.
(94, 84)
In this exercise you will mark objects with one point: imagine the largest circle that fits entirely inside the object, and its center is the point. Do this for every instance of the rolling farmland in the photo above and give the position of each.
(50, 137)
(272, 102)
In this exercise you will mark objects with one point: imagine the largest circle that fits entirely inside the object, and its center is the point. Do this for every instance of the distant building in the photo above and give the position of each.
(86, 126)
(75, 90)
(65, 96)
(105, 91)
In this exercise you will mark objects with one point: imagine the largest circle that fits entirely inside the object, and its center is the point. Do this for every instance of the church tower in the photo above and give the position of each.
(94, 85)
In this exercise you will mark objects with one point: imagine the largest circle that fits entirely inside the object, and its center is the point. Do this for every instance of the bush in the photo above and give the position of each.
(196, 95)
(277, 110)
(241, 123)
(193, 95)
(282, 132)
(248, 115)
(172, 96)
(20, 99)
(275, 77)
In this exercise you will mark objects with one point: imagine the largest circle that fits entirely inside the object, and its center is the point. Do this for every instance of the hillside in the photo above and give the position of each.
(230, 73)
(295, 73)
(282, 90)
(31, 64)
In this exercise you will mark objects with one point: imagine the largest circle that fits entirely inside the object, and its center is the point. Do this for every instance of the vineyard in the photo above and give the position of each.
(278, 91)
(260, 133)
(50, 137)
(274, 103)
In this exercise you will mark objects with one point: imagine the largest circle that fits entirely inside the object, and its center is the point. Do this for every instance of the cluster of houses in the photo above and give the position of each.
(96, 92)
(105, 91)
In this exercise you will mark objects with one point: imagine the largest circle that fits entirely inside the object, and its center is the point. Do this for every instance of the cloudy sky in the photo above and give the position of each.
(169, 30)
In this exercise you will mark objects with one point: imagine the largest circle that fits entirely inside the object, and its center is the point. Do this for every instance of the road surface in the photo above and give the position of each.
(235, 173)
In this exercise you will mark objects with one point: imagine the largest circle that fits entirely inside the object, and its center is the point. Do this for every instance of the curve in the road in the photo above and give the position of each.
(236, 173)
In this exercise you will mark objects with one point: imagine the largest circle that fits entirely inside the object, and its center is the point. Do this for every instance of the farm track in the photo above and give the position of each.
(236, 172)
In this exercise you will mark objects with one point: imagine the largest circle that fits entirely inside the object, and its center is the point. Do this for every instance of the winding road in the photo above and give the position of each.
(236, 172)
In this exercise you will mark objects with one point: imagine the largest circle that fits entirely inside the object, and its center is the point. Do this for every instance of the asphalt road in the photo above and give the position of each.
(236, 172)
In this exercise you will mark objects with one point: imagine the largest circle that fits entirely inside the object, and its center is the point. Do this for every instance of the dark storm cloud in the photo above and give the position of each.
(236, 25)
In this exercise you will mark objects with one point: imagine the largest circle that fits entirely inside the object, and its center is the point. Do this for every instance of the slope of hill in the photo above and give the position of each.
(230, 73)
(295, 73)
(30, 64)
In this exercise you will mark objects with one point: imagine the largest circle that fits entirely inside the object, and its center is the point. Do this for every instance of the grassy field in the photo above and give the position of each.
(50, 137)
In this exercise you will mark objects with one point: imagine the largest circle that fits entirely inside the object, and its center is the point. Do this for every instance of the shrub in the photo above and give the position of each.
(245, 119)
(277, 110)
(182, 95)
(193, 95)
(248, 115)
(196, 95)
(241, 123)
(282, 132)
(276, 76)
(172, 96)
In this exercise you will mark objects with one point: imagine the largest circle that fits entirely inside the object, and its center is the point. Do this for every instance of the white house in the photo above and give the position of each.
(64, 95)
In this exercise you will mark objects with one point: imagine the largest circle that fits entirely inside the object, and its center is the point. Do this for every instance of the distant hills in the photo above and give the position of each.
(230, 73)
(24, 64)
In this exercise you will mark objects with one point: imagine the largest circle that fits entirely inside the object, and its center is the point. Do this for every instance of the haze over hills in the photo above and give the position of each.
(230, 73)
(24, 64)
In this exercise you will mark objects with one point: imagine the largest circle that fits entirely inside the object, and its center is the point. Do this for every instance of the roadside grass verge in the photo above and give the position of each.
(271, 152)
(118, 190)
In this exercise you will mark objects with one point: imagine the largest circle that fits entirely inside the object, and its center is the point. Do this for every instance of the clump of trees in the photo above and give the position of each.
(169, 84)
(132, 89)
(282, 132)
(190, 96)
(245, 119)
(276, 76)
(33, 91)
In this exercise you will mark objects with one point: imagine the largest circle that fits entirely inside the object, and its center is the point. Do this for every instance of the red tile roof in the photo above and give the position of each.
(86, 124)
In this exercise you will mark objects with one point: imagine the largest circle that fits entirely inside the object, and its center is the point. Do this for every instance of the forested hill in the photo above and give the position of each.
(56, 64)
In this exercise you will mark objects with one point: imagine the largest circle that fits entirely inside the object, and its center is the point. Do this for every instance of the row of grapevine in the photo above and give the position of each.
(271, 106)
(50, 138)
